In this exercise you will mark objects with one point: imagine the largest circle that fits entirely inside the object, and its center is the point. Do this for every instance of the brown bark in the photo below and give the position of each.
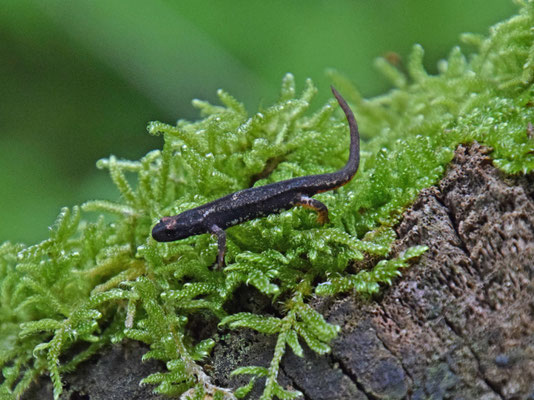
(459, 324)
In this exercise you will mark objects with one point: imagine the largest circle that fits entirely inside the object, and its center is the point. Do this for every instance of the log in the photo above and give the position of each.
(459, 323)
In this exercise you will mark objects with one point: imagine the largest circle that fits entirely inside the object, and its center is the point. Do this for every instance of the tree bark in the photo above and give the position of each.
(459, 324)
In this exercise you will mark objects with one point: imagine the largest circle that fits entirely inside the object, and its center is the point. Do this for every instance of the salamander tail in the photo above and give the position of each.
(354, 155)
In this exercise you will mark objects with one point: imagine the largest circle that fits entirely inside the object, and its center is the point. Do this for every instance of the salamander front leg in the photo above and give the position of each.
(221, 243)
(320, 208)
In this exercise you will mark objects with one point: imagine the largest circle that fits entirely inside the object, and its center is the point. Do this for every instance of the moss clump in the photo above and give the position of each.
(99, 282)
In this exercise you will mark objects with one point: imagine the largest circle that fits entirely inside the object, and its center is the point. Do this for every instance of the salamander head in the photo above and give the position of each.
(180, 226)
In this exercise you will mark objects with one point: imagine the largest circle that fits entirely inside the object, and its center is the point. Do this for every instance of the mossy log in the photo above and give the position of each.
(458, 324)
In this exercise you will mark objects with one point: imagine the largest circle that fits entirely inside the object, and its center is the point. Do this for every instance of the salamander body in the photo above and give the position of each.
(214, 217)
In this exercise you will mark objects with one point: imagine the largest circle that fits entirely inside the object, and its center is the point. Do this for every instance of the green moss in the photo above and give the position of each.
(99, 282)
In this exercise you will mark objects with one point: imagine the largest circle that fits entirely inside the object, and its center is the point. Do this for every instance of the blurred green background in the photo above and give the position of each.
(79, 80)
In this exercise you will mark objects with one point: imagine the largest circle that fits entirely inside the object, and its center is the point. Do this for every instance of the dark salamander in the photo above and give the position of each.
(247, 204)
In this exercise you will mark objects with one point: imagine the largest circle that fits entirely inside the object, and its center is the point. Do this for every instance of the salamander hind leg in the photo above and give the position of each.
(320, 208)
(221, 244)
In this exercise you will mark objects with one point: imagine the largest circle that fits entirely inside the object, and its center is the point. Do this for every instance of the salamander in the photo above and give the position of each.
(247, 204)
